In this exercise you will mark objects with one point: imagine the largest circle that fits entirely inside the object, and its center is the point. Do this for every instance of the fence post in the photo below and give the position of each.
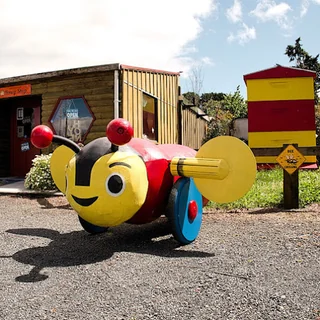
(291, 189)
(291, 186)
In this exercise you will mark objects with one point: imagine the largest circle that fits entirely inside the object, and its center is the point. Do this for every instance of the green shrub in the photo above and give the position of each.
(39, 177)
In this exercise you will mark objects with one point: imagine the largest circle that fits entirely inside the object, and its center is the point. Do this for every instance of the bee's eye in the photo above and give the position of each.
(115, 184)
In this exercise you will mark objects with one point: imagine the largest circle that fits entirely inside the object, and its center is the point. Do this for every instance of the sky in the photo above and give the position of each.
(218, 41)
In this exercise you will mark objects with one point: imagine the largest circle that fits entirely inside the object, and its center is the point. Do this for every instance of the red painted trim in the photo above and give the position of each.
(280, 72)
(124, 66)
(72, 97)
(295, 115)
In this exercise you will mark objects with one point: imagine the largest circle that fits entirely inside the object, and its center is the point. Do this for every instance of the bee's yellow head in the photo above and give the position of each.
(106, 184)
(105, 188)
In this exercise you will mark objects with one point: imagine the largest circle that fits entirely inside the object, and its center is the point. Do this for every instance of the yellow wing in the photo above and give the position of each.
(224, 169)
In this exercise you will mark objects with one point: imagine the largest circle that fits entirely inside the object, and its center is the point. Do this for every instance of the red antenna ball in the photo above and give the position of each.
(41, 136)
(119, 131)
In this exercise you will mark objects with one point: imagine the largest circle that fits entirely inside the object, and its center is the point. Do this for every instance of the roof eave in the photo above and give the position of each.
(60, 73)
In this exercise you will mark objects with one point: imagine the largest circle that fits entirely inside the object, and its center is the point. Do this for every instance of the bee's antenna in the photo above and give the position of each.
(119, 132)
(42, 136)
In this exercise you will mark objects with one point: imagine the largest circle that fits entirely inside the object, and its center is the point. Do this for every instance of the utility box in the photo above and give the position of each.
(281, 109)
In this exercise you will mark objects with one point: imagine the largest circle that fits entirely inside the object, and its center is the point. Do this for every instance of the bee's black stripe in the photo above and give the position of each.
(87, 157)
(180, 166)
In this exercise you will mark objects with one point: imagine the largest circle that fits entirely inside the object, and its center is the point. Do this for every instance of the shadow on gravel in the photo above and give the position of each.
(45, 204)
(267, 210)
(80, 248)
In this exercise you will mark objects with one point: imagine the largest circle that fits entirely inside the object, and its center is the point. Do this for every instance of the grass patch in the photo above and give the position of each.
(267, 191)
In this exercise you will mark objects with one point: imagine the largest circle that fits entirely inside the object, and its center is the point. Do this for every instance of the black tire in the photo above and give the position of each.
(91, 228)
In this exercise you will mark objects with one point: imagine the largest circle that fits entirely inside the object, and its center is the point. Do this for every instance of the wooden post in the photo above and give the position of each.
(291, 189)
(290, 181)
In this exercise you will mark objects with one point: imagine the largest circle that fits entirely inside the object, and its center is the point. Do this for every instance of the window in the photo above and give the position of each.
(149, 117)
(25, 122)
(72, 118)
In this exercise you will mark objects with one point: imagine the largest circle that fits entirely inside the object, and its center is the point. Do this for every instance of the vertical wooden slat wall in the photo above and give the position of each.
(162, 86)
(193, 129)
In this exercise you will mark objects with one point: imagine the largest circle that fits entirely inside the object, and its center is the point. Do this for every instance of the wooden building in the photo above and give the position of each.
(79, 103)
(194, 124)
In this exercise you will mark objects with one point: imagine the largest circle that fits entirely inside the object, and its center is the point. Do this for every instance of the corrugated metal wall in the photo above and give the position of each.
(162, 86)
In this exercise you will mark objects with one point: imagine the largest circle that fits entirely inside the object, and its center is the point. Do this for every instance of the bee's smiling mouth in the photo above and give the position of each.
(85, 202)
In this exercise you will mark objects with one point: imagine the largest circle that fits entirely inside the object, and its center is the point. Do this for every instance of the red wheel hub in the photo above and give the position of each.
(192, 210)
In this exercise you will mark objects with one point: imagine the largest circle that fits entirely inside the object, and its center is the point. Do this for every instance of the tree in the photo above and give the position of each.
(304, 60)
(196, 82)
(205, 97)
(235, 104)
(202, 101)
(192, 97)
(223, 113)
(219, 122)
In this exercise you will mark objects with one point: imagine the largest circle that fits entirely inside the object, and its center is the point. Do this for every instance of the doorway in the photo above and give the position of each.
(25, 115)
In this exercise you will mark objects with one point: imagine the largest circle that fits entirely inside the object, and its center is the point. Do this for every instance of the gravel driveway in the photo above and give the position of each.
(256, 265)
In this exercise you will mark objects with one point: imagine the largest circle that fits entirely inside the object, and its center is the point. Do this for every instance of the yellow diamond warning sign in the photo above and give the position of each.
(290, 159)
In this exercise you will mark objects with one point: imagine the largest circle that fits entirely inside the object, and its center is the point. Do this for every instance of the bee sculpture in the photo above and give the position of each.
(121, 179)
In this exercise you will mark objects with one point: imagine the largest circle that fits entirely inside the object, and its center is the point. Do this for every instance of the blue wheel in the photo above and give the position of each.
(184, 210)
(91, 228)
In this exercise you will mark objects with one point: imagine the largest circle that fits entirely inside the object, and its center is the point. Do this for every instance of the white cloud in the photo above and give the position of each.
(305, 4)
(234, 13)
(39, 35)
(244, 35)
(207, 61)
(304, 7)
(268, 10)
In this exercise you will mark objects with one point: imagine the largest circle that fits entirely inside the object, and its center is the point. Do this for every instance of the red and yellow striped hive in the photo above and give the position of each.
(281, 109)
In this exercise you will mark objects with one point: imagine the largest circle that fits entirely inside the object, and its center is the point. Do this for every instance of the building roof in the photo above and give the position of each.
(279, 72)
(81, 70)
(126, 67)
(199, 112)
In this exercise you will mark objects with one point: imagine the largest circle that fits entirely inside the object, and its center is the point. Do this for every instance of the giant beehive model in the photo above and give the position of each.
(281, 109)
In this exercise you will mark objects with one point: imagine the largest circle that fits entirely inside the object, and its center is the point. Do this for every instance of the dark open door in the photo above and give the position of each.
(25, 115)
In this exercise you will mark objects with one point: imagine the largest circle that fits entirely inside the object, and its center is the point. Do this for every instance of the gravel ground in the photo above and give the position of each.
(245, 265)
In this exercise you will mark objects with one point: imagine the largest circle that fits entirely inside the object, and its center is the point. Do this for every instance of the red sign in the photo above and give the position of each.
(15, 91)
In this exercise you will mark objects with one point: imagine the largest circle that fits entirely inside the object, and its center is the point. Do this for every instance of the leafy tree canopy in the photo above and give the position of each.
(223, 112)
(192, 97)
(304, 60)
(205, 97)
(235, 104)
